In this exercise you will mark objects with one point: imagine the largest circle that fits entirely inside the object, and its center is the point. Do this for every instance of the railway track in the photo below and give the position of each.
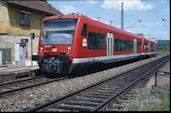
(11, 87)
(7, 83)
(96, 96)
(122, 101)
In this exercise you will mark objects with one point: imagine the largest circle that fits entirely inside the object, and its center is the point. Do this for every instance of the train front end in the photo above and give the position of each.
(55, 45)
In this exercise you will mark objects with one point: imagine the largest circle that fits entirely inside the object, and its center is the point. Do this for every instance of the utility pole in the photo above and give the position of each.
(31, 38)
(122, 16)
(111, 22)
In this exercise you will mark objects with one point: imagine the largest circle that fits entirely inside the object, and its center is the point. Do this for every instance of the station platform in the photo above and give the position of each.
(11, 72)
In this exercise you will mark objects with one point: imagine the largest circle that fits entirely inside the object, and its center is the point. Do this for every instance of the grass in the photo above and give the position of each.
(151, 100)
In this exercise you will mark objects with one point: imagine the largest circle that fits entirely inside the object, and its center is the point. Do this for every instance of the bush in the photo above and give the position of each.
(151, 100)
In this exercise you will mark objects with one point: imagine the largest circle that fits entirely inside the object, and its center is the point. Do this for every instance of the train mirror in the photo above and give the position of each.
(32, 35)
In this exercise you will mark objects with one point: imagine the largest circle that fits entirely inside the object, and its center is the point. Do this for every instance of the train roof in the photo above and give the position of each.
(101, 24)
(151, 40)
(112, 28)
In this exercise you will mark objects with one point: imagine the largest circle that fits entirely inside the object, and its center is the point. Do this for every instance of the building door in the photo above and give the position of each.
(135, 46)
(109, 44)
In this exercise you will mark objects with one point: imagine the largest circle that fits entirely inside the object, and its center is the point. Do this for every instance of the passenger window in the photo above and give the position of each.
(152, 47)
(123, 45)
(146, 46)
(139, 45)
(84, 30)
(96, 41)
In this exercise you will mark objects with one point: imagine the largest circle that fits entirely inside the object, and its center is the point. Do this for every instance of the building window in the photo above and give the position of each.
(27, 21)
(21, 18)
(123, 45)
(96, 41)
(25, 18)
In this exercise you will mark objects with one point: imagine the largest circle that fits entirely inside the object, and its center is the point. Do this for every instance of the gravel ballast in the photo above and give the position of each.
(29, 97)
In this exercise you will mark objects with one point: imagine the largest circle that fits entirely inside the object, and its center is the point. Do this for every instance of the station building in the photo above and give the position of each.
(18, 19)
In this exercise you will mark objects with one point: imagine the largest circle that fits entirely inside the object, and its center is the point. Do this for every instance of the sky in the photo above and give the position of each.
(150, 17)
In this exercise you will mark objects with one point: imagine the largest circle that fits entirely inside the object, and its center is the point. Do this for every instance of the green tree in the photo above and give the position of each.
(152, 38)
(45, 1)
(164, 48)
(141, 34)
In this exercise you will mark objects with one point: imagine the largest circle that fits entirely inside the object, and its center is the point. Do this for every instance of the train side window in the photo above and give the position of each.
(152, 47)
(96, 41)
(146, 46)
(84, 30)
(123, 45)
(130, 44)
(127, 45)
(118, 45)
(139, 45)
(91, 41)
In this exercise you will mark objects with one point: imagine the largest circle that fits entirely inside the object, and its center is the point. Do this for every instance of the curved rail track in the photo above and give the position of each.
(96, 96)
(10, 87)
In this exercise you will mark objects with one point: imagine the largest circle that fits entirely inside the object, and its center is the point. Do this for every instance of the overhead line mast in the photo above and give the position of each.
(122, 16)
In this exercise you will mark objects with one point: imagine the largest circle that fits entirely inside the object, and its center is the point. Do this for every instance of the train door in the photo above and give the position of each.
(149, 47)
(109, 44)
(135, 46)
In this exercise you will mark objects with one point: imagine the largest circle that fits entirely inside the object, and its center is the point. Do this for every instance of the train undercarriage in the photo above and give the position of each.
(60, 64)
(50, 64)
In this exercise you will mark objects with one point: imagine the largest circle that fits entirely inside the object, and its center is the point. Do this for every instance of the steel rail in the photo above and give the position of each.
(127, 87)
(3, 84)
(30, 86)
(40, 106)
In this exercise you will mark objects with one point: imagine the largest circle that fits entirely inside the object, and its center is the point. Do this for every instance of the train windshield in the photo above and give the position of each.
(58, 31)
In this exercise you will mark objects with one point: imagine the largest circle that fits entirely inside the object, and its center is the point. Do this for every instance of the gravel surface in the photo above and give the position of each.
(29, 97)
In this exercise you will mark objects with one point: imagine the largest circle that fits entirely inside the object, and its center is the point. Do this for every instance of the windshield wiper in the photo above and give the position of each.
(46, 38)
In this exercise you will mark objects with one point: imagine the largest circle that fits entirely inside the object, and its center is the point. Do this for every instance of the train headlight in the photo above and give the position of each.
(41, 49)
(69, 49)
(84, 42)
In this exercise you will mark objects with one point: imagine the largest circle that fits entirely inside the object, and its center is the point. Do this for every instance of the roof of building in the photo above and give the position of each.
(35, 4)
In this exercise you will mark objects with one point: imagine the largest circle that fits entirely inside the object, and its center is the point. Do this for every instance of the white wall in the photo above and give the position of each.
(0, 57)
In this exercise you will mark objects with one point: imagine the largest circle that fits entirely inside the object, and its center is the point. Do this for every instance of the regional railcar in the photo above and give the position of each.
(149, 47)
(69, 42)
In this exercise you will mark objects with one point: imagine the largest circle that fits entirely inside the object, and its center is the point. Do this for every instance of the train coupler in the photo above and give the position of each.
(58, 64)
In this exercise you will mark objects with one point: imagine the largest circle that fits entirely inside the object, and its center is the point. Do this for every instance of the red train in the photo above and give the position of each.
(69, 42)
